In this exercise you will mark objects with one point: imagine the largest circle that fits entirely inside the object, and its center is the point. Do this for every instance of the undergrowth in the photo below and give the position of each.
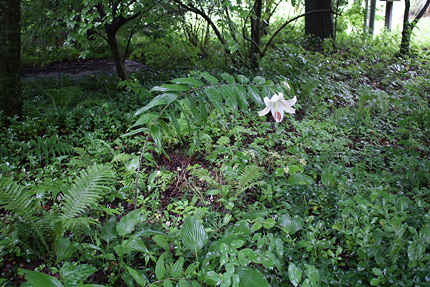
(336, 195)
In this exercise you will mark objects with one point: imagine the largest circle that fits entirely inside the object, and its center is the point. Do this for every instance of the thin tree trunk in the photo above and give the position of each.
(407, 27)
(10, 57)
(116, 53)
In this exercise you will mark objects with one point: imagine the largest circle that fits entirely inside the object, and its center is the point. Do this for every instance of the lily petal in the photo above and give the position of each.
(265, 111)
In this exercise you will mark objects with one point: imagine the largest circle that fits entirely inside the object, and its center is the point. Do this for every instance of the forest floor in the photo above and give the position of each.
(79, 68)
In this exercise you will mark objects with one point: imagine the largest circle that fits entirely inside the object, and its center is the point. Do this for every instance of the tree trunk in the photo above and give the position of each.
(407, 27)
(10, 57)
(256, 32)
(116, 53)
(319, 24)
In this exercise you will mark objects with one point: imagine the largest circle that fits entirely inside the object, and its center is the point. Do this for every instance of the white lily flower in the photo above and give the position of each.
(277, 105)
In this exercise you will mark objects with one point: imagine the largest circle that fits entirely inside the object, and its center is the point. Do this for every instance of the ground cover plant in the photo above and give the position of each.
(173, 179)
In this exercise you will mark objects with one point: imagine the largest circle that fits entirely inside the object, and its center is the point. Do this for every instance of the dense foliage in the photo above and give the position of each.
(172, 178)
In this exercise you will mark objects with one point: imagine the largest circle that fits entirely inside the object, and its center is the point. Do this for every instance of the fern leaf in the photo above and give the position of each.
(86, 191)
(249, 177)
(14, 198)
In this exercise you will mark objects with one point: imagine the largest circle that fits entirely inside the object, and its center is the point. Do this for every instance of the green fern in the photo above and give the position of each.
(248, 178)
(48, 147)
(86, 191)
(14, 198)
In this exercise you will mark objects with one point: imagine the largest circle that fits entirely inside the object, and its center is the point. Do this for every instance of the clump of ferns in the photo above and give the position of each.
(36, 229)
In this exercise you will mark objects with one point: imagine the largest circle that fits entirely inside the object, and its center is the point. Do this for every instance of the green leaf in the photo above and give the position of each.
(255, 95)
(215, 98)
(259, 80)
(269, 223)
(256, 226)
(156, 135)
(160, 269)
(134, 243)
(177, 267)
(183, 283)
(188, 81)
(300, 179)
(203, 109)
(73, 274)
(139, 130)
(193, 234)
(189, 273)
(241, 97)
(175, 123)
(228, 78)
(229, 95)
(312, 273)
(295, 274)
(161, 241)
(377, 271)
(242, 79)
(416, 250)
(65, 249)
(163, 99)
(127, 223)
(291, 224)
(193, 107)
(208, 77)
(38, 279)
(108, 232)
(168, 283)
(145, 119)
(250, 277)
(170, 88)
(140, 278)
(211, 278)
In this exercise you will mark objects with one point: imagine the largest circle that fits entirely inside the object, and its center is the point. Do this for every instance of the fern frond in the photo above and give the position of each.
(77, 222)
(122, 157)
(14, 198)
(204, 175)
(86, 191)
(47, 147)
(249, 177)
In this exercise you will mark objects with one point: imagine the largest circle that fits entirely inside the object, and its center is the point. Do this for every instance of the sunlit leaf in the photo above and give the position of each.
(208, 77)
(295, 274)
(170, 88)
(250, 277)
(38, 279)
(163, 99)
(193, 234)
(188, 81)
(128, 222)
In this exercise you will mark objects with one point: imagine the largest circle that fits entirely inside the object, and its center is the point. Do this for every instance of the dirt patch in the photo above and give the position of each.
(80, 68)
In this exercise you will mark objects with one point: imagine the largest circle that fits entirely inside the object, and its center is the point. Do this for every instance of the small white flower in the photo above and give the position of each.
(277, 105)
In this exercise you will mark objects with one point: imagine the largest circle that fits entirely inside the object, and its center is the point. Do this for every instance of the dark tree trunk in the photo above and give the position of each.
(256, 32)
(10, 57)
(116, 53)
(407, 27)
(319, 24)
